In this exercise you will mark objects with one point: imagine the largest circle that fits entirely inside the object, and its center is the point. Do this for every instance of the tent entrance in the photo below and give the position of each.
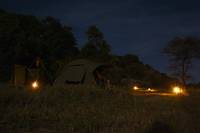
(76, 74)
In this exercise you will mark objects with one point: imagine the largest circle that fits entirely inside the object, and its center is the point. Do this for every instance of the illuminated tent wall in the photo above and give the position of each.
(19, 75)
(23, 75)
(77, 72)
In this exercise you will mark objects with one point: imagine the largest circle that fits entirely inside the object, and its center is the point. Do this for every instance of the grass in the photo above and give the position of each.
(95, 110)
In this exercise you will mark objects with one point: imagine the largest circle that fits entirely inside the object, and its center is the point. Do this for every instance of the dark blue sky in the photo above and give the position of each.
(141, 27)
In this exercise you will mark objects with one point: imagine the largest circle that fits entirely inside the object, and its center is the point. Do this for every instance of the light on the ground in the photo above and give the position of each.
(150, 90)
(135, 88)
(35, 84)
(177, 90)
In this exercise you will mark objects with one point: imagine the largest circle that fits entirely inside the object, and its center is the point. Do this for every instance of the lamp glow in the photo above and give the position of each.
(135, 88)
(35, 85)
(150, 90)
(177, 90)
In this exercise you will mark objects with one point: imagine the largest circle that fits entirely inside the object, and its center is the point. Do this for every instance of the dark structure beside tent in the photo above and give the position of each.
(27, 74)
(19, 75)
(80, 71)
(24, 76)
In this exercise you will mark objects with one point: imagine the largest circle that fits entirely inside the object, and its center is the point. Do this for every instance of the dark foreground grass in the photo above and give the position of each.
(95, 110)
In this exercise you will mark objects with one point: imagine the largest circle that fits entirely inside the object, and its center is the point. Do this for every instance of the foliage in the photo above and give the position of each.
(128, 70)
(96, 45)
(181, 51)
(23, 38)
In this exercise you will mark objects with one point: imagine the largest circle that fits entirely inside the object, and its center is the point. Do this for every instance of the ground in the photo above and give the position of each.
(95, 110)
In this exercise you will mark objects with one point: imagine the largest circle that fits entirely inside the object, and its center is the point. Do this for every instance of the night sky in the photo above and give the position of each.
(141, 27)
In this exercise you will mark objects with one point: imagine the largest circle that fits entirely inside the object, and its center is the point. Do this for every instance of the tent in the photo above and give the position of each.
(79, 71)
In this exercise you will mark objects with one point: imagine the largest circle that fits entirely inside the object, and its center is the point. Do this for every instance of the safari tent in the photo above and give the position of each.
(79, 71)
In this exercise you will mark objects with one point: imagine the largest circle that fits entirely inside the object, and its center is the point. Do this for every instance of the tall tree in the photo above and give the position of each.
(96, 44)
(58, 40)
(182, 50)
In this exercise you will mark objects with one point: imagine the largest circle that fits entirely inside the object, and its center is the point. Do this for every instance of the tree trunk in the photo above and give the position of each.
(183, 73)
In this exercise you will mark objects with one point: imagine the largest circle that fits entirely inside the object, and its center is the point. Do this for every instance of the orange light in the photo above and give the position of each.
(135, 88)
(177, 90)
(35, 84)
(150, 90)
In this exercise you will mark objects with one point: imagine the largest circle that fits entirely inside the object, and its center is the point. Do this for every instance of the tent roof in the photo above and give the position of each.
(77, 71)
(83, 61)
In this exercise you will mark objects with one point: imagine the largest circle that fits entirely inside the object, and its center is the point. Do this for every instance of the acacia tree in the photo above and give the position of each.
(182, 51)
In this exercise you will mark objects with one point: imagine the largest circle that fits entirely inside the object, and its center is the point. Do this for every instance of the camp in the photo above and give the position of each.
(81, 71)
(24, 75)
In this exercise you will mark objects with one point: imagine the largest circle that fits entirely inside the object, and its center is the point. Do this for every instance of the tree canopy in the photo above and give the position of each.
(181, 51)
(96, 45)
(23, 38)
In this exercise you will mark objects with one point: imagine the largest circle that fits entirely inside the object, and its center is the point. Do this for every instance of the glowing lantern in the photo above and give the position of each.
(35, 85)
(150, 90)
(135, 88)
(177, 90)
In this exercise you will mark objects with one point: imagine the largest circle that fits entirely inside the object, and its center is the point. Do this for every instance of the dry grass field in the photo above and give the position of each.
(96, 110)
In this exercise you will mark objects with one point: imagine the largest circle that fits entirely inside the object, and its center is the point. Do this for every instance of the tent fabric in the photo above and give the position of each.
(77, 72)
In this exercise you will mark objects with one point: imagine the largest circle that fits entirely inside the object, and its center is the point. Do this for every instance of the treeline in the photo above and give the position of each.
(23, 38)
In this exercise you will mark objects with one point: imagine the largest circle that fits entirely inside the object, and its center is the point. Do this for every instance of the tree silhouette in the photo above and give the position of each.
(96, 44)
(182, 50)
(23, 38)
